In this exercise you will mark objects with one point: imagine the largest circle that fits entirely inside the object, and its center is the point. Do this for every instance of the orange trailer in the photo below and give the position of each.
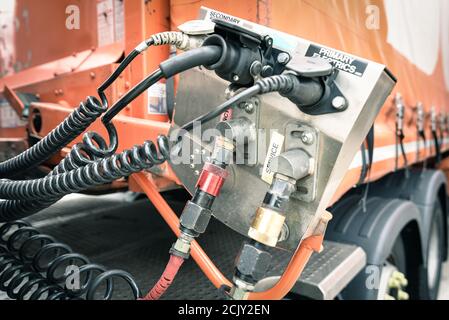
(55, 53)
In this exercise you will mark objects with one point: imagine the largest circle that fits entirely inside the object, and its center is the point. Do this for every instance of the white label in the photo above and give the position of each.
(274, 149)
(105, 22)
(110, 21)
(157, 99)
(119, 20)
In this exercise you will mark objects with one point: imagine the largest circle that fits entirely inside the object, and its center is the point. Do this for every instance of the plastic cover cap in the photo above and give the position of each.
(197, 27)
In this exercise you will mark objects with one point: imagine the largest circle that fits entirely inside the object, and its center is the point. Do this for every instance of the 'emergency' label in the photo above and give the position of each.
(338, 59)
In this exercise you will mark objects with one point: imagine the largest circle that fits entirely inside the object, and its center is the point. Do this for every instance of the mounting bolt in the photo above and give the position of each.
(339, 103)
(283, 58)
(256, 68)
(235, 78)
(267, 71)
(249, 107)
(307, 137)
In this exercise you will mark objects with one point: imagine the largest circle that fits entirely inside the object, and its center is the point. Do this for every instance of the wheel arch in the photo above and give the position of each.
(375, 230)
(422, 188)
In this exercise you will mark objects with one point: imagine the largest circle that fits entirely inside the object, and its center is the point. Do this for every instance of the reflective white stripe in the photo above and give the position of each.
(389, 152)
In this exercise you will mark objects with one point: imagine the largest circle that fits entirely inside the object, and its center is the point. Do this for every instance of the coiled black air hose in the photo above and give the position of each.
(130, 161)
(30, 264)
(78, 121)
(95, 146)
(17, 209)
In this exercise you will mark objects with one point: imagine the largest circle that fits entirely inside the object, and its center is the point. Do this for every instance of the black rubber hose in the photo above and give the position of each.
(193, 58)
(129, 161)
(93, 174)
(30, 264)
(121, 67)
(203, 56)
(279, 83)
(77, 122)
(131, 95)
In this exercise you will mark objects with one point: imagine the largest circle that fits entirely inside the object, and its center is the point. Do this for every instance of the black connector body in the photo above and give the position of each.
(245, 55)
(205, 55)
(305, 92)
(235, 62)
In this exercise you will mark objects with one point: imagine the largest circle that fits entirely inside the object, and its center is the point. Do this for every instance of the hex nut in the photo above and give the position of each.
(252, 262)
(195, 217)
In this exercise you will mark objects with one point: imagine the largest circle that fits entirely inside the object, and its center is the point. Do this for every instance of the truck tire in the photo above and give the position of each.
(394, 267)
(379, 230)
(431, 278)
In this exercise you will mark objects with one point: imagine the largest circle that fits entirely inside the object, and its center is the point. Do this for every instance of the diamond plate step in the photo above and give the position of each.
(329, 272)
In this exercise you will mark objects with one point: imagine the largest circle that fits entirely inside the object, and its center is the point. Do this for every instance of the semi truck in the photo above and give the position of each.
(316, 131)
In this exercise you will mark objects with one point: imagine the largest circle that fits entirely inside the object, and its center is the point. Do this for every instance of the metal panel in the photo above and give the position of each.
(339, 134)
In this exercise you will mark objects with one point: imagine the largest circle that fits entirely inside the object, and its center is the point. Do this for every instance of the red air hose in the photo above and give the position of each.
(166, 278)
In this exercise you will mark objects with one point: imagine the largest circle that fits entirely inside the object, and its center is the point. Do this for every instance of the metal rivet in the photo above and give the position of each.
(235, 78)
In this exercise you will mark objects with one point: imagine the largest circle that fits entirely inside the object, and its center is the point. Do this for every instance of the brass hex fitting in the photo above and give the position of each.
(266, 226)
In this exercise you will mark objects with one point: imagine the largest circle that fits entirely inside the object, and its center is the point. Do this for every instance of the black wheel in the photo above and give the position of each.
(393, 282)
(431, 277)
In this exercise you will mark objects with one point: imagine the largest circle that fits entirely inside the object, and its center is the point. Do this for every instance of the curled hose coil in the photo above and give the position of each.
(31, 263)
(279, 83)
(11, 210)
(64, 133)
(95, 173)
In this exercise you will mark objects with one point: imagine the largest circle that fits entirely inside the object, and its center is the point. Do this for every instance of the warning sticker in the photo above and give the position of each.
(157, 99)
(338, 59)
(274, 149)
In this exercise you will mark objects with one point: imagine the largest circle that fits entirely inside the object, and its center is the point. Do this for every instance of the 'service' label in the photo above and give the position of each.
(274, 149)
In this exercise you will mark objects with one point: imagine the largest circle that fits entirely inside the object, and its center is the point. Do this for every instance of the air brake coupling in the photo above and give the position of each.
(254, 259)
(289, 167)
(196, 214)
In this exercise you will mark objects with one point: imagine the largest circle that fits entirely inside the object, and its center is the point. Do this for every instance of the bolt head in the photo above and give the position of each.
(235, 78)
(339, 103)
(283, 58)
(256, 68)
(307, 138)
(267, 71)
(249, 107)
